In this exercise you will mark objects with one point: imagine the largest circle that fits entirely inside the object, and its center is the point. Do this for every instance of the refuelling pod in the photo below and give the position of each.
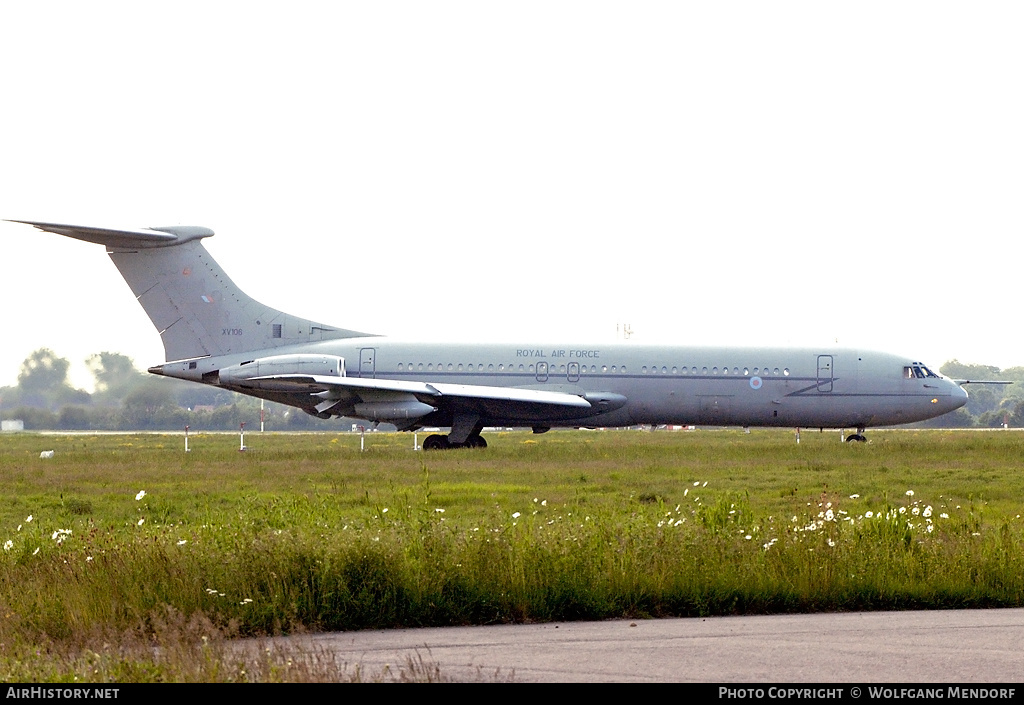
(323, 365)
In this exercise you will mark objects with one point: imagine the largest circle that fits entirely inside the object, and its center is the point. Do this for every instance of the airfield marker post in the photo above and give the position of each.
(362, 438)
(186, 439)
(241, 436)
(798, 435)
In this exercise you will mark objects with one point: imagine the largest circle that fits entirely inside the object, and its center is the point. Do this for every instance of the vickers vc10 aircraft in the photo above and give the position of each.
(213, 333)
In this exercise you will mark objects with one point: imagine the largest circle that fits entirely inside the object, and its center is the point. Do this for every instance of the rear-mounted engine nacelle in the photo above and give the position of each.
(322, 365)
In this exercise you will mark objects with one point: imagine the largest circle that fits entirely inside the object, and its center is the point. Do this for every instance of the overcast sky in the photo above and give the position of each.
(709, 172)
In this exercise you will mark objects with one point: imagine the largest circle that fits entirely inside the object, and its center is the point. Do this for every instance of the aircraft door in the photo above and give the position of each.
(825, 373)
(542, 372)
(367, 364)
(572, 372)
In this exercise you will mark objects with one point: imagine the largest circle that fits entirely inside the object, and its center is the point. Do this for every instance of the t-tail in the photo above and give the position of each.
(194, 305)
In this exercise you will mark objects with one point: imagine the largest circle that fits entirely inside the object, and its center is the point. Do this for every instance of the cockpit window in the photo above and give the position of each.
(917, 370)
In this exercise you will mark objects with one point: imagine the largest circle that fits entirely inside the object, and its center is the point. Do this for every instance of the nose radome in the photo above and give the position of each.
(958, 397)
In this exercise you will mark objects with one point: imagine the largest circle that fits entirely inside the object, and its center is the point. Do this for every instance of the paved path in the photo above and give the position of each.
(956, 646)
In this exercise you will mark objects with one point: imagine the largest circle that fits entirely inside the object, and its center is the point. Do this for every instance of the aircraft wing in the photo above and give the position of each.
(392, 400)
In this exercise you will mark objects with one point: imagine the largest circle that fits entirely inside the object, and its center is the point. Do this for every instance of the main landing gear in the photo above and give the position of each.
(858, 436)
(440, 442)
(466, 428)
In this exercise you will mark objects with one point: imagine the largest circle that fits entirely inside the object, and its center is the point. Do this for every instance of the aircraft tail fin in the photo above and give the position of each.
(194, 305)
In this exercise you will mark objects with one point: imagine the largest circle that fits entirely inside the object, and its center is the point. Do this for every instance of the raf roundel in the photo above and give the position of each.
(755, 382)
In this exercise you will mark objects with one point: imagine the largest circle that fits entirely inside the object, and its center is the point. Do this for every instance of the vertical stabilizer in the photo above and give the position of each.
(194, 305)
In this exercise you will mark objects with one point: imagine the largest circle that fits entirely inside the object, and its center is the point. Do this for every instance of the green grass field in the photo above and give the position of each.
(121, 542)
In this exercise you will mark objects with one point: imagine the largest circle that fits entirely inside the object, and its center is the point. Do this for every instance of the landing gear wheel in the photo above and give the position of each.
(476, 442)
(856, 437)
(436, 442)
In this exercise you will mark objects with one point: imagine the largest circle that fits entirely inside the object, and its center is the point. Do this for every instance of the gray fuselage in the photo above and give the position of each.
(729, 386)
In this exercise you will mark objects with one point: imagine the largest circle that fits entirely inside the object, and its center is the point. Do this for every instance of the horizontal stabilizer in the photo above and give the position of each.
(125, 239)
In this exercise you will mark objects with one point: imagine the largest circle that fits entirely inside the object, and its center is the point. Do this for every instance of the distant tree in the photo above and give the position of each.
(43, 382)
(959, 418)
(116, 377)
(75, 418)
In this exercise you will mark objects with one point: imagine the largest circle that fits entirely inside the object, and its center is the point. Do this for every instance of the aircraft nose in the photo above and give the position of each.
(958, 397)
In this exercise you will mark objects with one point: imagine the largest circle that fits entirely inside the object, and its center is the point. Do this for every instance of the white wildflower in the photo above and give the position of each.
(140, 495)
(516, 515)
(140, 522)
(854, 496)
(28, 519)
(439, 511)
(910, 493)
(943, 516)
(182, 542)
(8, 545)
(869, 514)
(927, 511)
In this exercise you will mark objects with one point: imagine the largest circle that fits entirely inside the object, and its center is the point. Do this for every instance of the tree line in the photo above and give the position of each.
(126, 399)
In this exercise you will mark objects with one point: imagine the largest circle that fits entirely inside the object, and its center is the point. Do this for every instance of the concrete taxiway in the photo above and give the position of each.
(955, 646)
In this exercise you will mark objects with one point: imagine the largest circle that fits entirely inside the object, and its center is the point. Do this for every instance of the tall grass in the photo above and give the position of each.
(590, 527)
